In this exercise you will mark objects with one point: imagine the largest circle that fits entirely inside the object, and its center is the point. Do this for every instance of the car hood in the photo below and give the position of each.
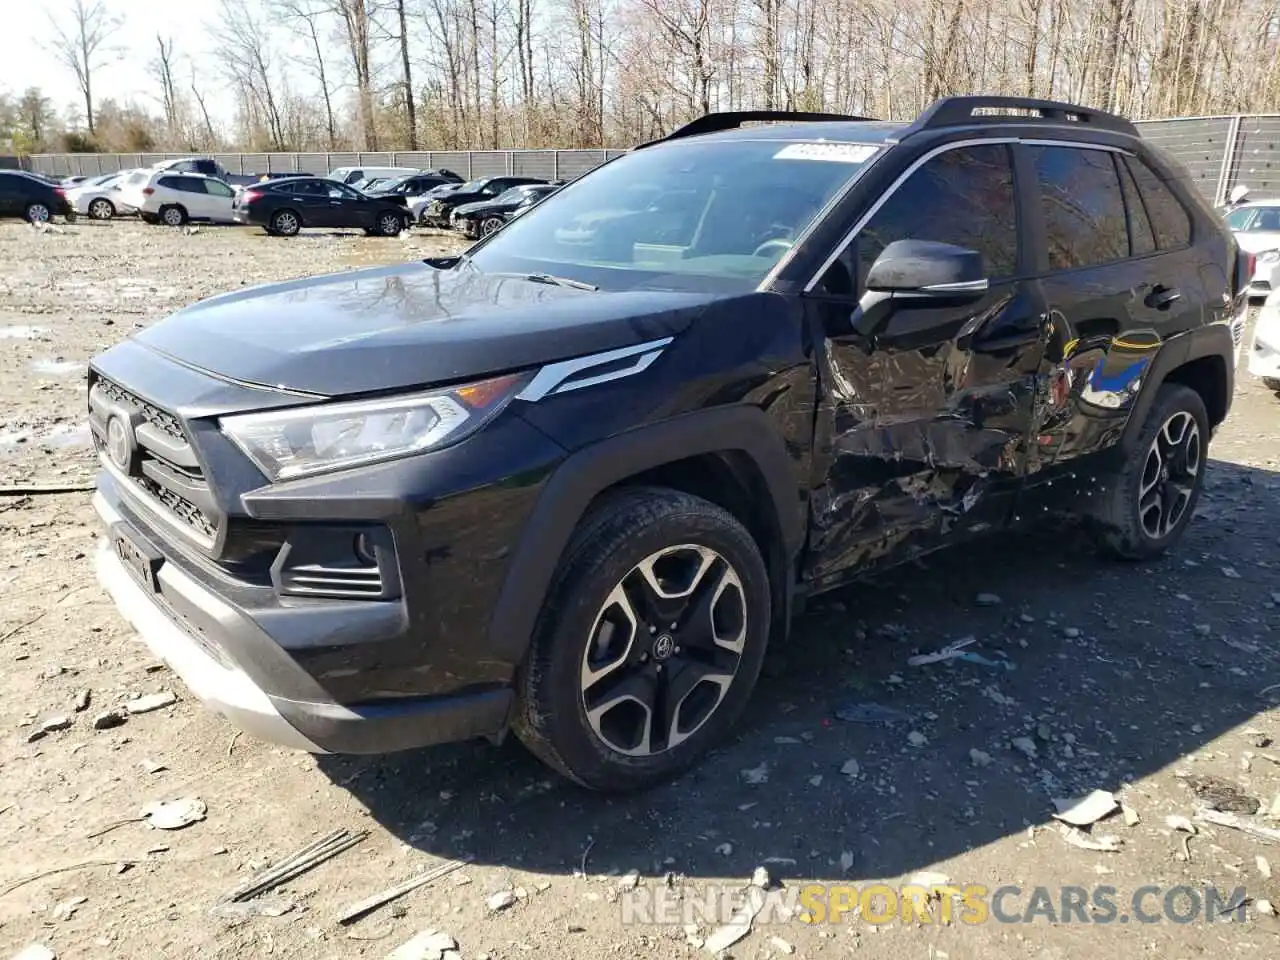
(483, 206)
(407, 325)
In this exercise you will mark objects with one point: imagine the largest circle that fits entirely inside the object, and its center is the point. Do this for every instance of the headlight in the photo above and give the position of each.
(304, 440)
(1269, 256)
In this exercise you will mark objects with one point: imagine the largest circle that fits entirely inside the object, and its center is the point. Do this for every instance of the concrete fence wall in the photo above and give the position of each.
(1220, 152)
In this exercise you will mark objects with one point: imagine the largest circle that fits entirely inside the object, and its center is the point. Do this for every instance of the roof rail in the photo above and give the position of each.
(731, 120)
(963, 111)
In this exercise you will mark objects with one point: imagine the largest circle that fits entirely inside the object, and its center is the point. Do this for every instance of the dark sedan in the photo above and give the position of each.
(484, 217)
(32, 198)
(284, 207)
(440, 209)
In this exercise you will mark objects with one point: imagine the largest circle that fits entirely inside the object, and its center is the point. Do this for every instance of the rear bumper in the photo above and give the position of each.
(236, 669)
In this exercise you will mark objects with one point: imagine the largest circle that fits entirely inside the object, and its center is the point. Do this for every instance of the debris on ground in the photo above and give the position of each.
(950, 652)
(917, 739)
(760, 878)
(150, 702)
(724, 849)
(500, 900)
(867, 712)
(988, 600)
(1025, 746)
(1223, 819)
(1176, 822)
(1085, 841)
(296, 864)
(782, 946)
(1087, 810)
(66, 909)
(371, 903)
(846, 861)
(756, 775)
(35, 951)
(1264, 907)
(930, 879)
(1220, 794)
(739, 924)
(262, 907)
(979, 758)
(110, 719)
(82, 699)
(424, 945)
(851, 768)
(1263, 865)
(175, 814)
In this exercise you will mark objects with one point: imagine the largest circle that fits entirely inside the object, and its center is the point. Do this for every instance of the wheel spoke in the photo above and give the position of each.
(622, 712)
(1151, 470)
(612, 639)
(689, 695)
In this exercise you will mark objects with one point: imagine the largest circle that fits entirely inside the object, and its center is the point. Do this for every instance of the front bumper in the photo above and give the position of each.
(231, 665)
(1264, 354)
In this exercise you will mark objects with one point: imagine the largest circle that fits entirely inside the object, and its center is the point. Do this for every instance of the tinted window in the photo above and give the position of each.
(1236, 219)
(1168, 217)
(183, 184)
(1082, 205)
(218, 189)
(1268, 219)
(709, 215)
(312, 188)
(1141, 240)
(338, 192)
(963, 196)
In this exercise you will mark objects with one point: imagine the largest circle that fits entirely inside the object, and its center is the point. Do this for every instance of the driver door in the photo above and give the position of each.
(922, 426)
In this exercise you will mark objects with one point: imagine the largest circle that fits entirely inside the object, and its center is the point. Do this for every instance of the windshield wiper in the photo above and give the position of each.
(548, 278)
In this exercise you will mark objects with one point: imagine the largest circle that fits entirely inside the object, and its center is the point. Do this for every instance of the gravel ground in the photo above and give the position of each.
(1129, 679)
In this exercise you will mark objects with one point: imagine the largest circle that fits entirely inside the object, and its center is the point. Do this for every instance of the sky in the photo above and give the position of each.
(27, 62)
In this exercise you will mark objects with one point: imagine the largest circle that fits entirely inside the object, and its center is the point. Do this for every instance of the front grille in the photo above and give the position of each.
(164, 467)
(314, 579)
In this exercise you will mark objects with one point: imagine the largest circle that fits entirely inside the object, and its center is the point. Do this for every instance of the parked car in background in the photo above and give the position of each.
(369, 184)
(1264, 354)
(486, 216)
(353, 175)
(161, 196)
(439, 209)
(286, 206)
(1256, 225)
(97, 197)
(32, 198)
(413, 185)
(69, 182)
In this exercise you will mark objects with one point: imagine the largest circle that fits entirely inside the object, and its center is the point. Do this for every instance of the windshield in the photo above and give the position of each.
(471, 186)
(675, 216)
(514, 195)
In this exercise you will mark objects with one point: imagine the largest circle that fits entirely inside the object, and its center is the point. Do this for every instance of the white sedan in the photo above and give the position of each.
(1256, 227)
(162, 196)
(99, 197)
(1264, 357)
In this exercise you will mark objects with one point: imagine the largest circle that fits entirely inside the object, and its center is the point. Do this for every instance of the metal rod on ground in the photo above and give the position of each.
(369, 904)
(298, 863)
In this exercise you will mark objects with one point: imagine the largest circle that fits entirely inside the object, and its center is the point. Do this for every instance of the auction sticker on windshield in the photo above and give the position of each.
(833, 152)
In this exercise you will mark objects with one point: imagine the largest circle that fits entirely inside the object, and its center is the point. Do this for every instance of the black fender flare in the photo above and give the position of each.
(583, 475)
(1212, 340)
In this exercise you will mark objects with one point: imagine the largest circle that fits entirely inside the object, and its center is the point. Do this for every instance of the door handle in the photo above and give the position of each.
(1162, 297)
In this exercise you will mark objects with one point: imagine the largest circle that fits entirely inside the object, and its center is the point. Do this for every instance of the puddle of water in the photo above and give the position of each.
(57, 368)
(19, 332)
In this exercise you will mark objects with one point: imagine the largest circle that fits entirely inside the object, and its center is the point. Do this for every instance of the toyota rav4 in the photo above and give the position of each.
(571, 482)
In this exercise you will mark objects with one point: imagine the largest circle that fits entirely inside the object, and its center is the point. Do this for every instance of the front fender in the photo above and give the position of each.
(579, 479)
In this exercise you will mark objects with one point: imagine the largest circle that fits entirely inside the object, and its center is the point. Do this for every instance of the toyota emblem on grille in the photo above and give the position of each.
(119, 443)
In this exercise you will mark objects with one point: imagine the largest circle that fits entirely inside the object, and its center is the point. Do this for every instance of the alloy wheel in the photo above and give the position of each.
(389, 225)
(173, 217)
(39, 213)
(286, 223)
(663, 650)
(1169, 475)
(100, 210)
(490, 226)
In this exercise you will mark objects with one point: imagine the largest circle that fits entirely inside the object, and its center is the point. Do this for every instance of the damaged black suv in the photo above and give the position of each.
(573, 481)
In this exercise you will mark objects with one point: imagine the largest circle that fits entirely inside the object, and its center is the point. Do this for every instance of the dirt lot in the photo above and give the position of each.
(1119, 678)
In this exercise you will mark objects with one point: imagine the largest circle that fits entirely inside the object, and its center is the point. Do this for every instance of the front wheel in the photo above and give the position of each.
(490, 225)
(390, 224)
(1151, 500)
(38, 213)
(649, 643)
(102, 209)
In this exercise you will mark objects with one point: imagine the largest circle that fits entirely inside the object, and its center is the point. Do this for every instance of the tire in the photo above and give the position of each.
(490, 225)
(285, 223)
(689, 542)
(389, 224)
(101, 209)
(173, 215)
(37, 213)
(1152, 498)
(1271, 383)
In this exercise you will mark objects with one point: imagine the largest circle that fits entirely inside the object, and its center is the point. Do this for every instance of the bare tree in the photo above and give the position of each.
(162, 69)
(308, 14)
(243, 47)
(409, 108)
(79, 42)
(357, 21)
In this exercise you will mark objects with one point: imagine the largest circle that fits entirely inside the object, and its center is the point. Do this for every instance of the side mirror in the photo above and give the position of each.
(916, 271)
(925, 267)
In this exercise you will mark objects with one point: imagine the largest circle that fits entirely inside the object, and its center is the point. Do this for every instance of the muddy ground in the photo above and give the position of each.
(1119, 678)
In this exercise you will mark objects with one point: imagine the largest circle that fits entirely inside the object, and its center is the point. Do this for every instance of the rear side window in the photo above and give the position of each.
(1169, 217)
(1268, 219)
(1141, 238)
(1236, 219)
(1082, 205)
(963, 197)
